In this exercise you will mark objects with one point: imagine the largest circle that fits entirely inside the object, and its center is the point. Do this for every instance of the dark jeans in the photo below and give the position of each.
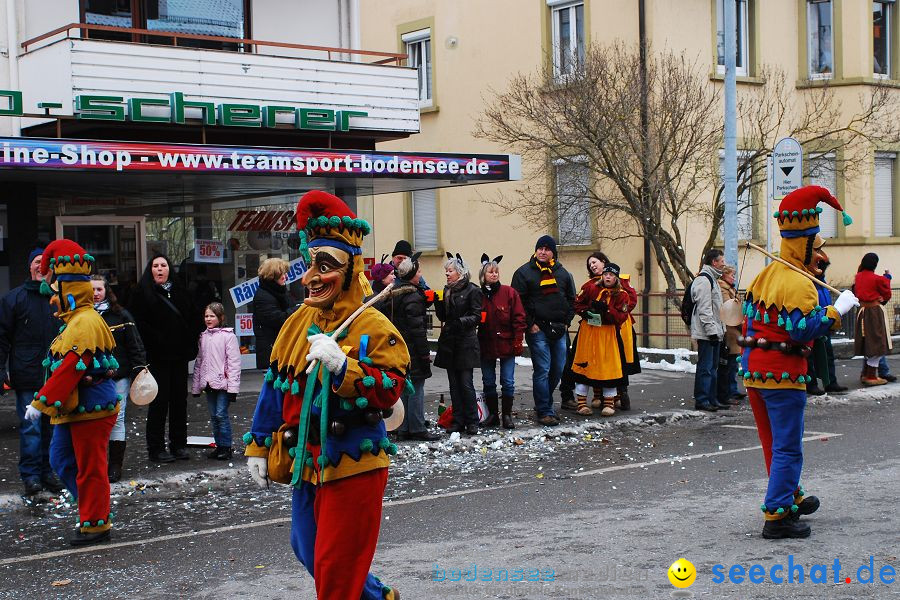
(548, 358)
(507, 376)
(462, 397)
(414, 416)
(217, 400)
(705, 378)
(171, 377)
(34, 440)
(726, 384)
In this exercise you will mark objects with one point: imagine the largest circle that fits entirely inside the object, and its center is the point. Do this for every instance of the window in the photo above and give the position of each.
(823, 172)
(820, 36)
(223, 18)
(881, 37)
(418, 50)
(424, 220)
(744, 199)
(742, 45)
(884, 194)
(573, 205)
(567, 20)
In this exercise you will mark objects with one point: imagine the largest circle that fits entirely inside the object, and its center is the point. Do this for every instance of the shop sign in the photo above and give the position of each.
(92, 155)
(209, 251)
(262, 220)
(243, 324)
(226, 114)
(243, 293)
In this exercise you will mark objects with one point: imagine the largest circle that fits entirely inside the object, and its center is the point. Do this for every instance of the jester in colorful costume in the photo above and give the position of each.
(784, 313)
(340, 448)
(78, 397)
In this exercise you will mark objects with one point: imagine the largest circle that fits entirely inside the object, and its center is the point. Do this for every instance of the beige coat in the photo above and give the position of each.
(731, 333)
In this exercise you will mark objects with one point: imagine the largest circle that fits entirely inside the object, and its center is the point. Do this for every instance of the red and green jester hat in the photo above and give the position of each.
(77, 396)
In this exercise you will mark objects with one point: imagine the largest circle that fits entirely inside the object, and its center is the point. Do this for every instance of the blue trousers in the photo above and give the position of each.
(548, 358)
(34, 440)
(779, 421)
(507, 376)
(705, 378)
(217, 401)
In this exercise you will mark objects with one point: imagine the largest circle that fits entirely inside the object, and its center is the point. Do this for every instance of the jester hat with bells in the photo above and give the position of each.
(798, 220)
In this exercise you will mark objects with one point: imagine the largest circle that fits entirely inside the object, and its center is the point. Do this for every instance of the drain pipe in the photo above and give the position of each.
(645, 127)
(12, 55)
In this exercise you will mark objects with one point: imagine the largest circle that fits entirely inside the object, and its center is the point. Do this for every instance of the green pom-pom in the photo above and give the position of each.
(286, 386)
(804, 212)
(80, 366)
(762, 507)
(775, 214)
(747, 375)
(81, 409)
(308, 462)
(368, 381)
(756, 375)
(817, 307)
(43, 399)
(35, 396)
(366, 361)
(110, 407)
(113, 363)
(795, 214)
(847, 220)
(825, 318)
(323, 221)
(247, 437)
(101, 522)
(89, 257)
(366, 445)
(52, 262)
(323, 460)
(62, 328)
(794, 508)
(295, 387)
(334, 221)
(384, 443)
(740, 372)
(386, 382)
(346, 405)
(86, 524)
(801, 324)
(45, 289)
(270, 376)
(780, 321)
(96, 364)
(784, 213)
(788, 325)
(97, 408)
(292, 452)
(364, 226)
(120, 397)
(46, 362)
(361, 402)
(780, 511)
(347, 221)
(785, 375)
(57, 404)
(766, 318)
(819, 209)
(311, 222)
(392, 449)
(770, 375)
(268, 441)
(277, 384)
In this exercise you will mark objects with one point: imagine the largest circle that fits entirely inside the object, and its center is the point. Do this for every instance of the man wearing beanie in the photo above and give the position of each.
(402, 251)
(26, 329)
(548, 294)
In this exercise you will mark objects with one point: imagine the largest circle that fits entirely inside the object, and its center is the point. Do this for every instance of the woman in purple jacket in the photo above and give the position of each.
(217, 371)
(499, 337)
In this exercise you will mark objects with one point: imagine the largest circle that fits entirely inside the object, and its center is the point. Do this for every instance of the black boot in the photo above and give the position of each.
(225, 453)
(492, 420)
(788, 526)
(835, 388)
(807, 505)
(507, 412)
(624, 399)
(86, 539)
(116, 458)
(813, 389)
(214, 453)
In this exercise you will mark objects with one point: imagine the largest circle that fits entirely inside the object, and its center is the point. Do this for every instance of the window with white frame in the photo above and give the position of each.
(424, 220)
(741, 41)
(744, 199)
(823, 172)
(573, 204)
(882, 32)
(820, 38)
(418, 51)
(567, 20)
(884, 194)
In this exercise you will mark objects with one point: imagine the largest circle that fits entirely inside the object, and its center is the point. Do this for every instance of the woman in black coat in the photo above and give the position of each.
(270, 307)
(458, 351)
(169, 324)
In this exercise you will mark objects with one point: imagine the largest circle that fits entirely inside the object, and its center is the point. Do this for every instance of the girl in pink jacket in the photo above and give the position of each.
(217, 371)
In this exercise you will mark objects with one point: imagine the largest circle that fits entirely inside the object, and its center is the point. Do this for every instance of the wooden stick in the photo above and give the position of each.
(793, 268)
(348, 320)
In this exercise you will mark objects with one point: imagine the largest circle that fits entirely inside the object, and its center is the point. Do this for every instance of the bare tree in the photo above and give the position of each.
(591, 120)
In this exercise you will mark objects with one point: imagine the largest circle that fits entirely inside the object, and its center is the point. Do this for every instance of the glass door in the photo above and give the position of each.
(117, 245)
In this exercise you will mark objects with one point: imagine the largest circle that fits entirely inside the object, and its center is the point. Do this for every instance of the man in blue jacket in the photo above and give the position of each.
(26, 329)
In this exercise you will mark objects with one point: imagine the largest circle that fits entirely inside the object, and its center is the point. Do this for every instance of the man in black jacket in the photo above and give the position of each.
(27, 327)
(548, 294)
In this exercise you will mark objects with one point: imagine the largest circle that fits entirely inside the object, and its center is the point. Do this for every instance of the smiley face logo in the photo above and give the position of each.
(682, 573)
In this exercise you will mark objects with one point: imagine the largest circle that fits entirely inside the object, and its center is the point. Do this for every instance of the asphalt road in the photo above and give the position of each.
(594, 509)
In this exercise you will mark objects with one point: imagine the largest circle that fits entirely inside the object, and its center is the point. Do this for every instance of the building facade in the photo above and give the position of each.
(468, 48)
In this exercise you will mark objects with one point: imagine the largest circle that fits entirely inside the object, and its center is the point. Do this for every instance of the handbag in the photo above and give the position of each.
(281, 463)
(144, 388)
(552, 329)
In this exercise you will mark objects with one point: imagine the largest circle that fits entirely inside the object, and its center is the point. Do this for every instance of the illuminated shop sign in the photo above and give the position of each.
(228, 114)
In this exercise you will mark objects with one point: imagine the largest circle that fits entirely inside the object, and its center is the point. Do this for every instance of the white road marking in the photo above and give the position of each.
(387, 504)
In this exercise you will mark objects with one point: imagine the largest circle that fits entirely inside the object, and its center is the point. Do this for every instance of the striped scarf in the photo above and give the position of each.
(548, 280)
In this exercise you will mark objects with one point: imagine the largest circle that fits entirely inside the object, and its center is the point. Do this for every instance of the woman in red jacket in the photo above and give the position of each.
(499, 337)
(872, 339)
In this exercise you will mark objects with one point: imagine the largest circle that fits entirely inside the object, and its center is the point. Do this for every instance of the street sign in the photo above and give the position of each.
(787, 158)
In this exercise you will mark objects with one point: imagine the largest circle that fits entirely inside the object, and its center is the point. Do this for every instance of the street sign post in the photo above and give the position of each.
(787, 159)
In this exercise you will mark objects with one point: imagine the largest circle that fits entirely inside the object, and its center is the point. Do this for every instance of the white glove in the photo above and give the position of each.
(845, 302)
(259, 470)
(326, 350)
(32, 414)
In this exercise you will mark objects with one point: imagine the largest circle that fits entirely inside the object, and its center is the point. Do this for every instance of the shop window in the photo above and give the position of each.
(425, 220)
(744, 200)
(567, 23)
(573, 204)
(820, 38)
(222, 18)
(823, 172)
(882, 32)
(742, 41)
(884, 194)
(418, 51)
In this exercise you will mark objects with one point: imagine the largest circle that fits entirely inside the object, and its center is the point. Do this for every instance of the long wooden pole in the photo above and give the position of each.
(793, 268)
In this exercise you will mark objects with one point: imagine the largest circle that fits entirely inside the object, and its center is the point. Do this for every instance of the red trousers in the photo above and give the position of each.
(78, 455)
(334, 531)
(763, 427)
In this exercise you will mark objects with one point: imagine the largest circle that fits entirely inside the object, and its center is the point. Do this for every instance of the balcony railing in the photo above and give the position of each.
(248, 45)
